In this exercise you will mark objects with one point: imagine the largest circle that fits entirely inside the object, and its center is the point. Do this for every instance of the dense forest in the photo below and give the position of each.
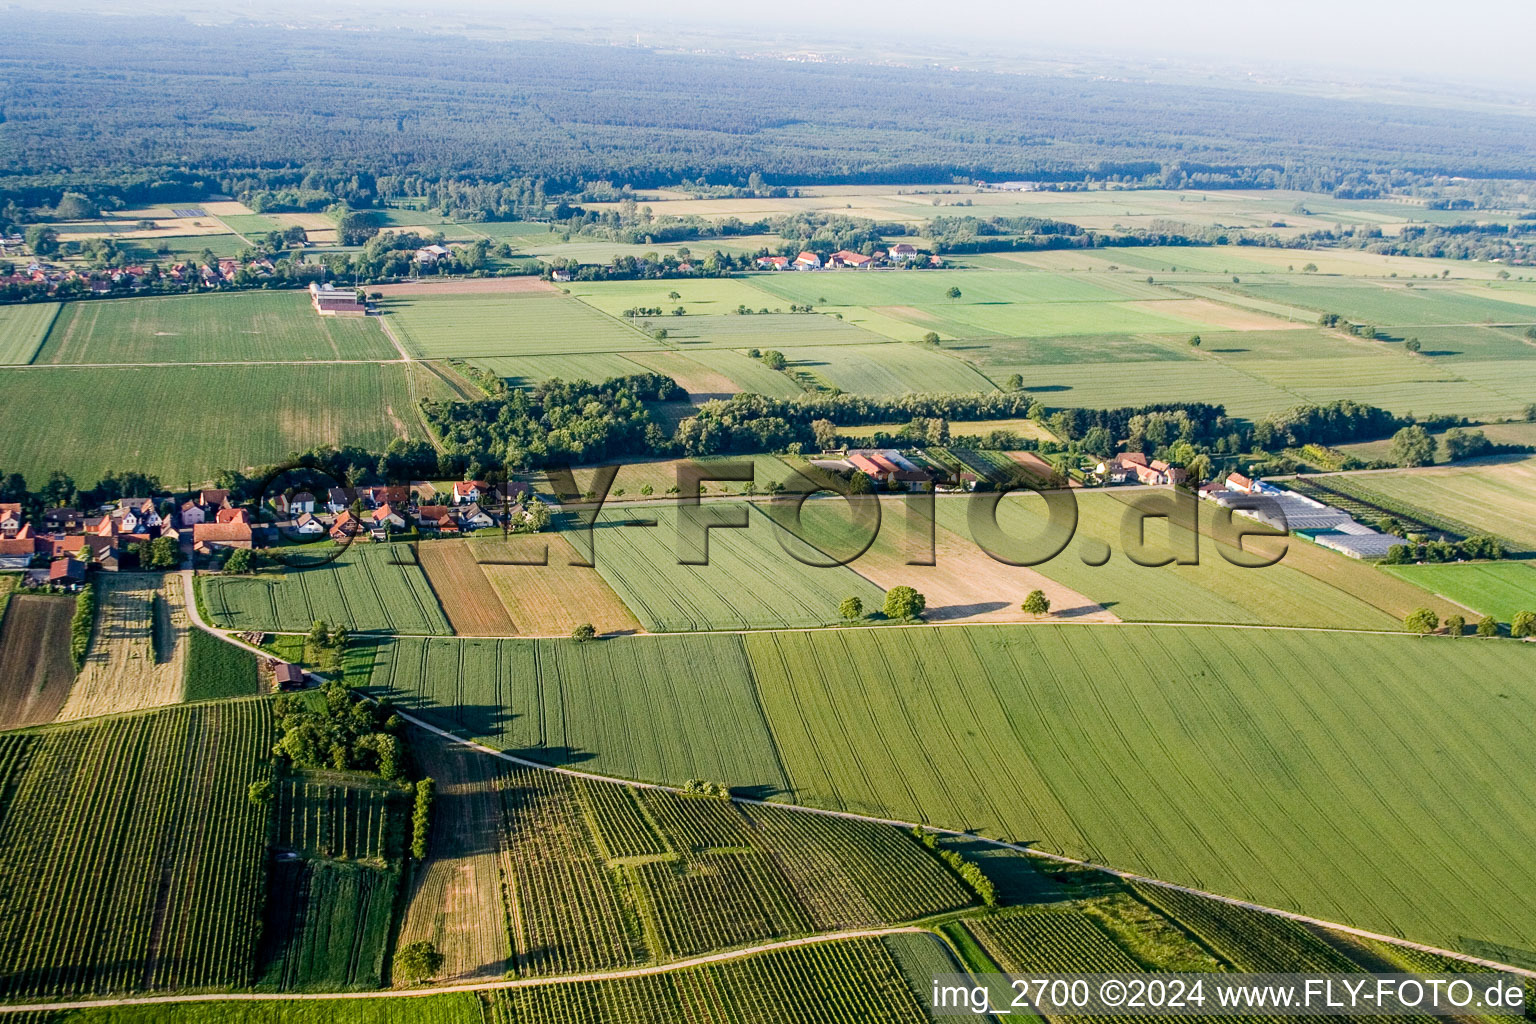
(152, 106)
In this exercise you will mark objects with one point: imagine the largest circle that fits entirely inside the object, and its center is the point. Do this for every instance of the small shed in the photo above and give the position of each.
(289, 677)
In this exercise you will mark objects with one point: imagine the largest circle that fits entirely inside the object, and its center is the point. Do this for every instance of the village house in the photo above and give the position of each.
(208, 537)
(233, 515)
(395, 494)
(511, 492)
(137, 514)
(345, 526)
(473, 517)
(437, 517)
(807, 261)
(339, 499)
(213, 498)
(10, 518)
(17, 552)
(1239, 483)
(63, 520)
(191, 513)
(901, 252)
(773, 262)
(467, 491)
(386, 518)
(307, 525)
(428, 255)
(850, 259)
(301, 503)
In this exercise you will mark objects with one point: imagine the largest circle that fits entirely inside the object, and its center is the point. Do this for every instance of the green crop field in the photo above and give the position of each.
(249, 225)
(23, 328)
(1499, 589)
(888, 369)
(1226, 759)
(368, 588)
(749, 582)
(328, 926)
(526, 371)
(1308, 587)
(760, 330)
(1496, 496)
(563, 702)
(115, 828)
(709, 295)
(238, 327)
(1394, 303)
(217, 669)
(505, 324)
(746, 373)
(221, 416)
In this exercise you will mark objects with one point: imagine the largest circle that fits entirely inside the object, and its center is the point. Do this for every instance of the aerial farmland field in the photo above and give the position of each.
(138, 658)
(889, 369)
(23, 328)
(564, 702)
(367, 588)
(749, 581)
(240, 327)
(1496, 495)
(35, 669)
(1500, 589)
(223, 416)
(506, 324)
(1230, 754)
(1394, 303)
(759, 330)
(112, 820)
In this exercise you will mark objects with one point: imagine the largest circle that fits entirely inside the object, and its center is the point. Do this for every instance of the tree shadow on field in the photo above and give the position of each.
(558, 757)
(763, 791)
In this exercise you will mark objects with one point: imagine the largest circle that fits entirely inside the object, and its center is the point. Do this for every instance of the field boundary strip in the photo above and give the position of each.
(1128, 876)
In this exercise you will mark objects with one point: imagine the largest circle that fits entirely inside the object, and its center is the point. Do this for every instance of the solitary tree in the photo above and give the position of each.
(584, 632)
(1412, 345)
(1487, 626)
(904, 603)
(1037, 603)
(240, 560)
(931, 338)
(1015, 382)
(1523, 624)
(417, 961)
(1455, 625)
(1194, 341)
(1422, 620)
(1412, 446)
(851, 608)
(953, 293)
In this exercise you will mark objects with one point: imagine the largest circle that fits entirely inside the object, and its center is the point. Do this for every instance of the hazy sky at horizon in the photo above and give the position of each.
(1474, 40)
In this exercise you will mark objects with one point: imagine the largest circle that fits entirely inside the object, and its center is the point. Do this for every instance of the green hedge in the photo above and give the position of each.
(83, 625)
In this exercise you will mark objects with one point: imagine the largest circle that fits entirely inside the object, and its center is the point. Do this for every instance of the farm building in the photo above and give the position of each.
(773, 262)
(807, 261)
(330, 302)
(288, 677)
(1359, 545)
(66, 571)
(847, 258)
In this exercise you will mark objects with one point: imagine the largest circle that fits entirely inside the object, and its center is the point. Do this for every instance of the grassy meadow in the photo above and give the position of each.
(1496, 495)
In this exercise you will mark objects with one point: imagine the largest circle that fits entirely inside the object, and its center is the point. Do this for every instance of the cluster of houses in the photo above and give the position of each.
(900, 254)
(356, 513)
(886, 468)
(60, 546)
(137, 275)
